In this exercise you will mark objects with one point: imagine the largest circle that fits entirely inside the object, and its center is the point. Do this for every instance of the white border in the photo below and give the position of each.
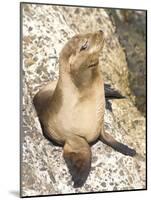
(9, 96)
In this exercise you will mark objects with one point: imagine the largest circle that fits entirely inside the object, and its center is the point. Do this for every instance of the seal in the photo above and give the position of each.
(71, 110)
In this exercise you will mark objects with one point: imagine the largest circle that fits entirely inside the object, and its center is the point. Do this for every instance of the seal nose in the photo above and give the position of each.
(101, 32)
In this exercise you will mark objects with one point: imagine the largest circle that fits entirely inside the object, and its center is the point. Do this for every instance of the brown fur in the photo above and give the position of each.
(71, 111)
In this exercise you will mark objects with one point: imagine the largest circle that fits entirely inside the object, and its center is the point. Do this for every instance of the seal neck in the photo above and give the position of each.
(78, 80)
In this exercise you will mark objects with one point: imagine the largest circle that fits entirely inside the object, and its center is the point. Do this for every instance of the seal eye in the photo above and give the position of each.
(84, 46)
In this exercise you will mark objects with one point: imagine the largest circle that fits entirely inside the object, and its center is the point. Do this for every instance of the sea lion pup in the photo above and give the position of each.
(71, 112)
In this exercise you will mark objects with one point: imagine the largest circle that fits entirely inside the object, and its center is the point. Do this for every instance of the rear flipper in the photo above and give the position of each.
(122, 148)
(77, 155)
(108, 105)
(111, 93)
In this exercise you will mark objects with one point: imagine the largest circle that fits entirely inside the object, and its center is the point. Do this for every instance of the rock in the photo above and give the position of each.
(44, 172)
(131, 30)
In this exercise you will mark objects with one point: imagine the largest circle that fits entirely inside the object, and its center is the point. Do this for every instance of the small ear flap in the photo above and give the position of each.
(78, 161)
(71, 63)
(71, 58)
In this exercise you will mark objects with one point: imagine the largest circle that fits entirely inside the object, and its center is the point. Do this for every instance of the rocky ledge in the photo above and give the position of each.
(45, 29)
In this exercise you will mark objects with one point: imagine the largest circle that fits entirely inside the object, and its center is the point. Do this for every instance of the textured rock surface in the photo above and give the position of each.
(45, 31)
(131, 29)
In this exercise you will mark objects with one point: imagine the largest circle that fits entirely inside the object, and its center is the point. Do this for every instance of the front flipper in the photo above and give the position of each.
(122, 148)
(77, 154)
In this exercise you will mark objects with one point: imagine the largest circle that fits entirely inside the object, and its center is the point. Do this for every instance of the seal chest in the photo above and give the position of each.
(81, 113)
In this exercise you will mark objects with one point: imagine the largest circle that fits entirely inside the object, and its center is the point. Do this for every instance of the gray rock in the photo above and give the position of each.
(44, 172)
(131, 30)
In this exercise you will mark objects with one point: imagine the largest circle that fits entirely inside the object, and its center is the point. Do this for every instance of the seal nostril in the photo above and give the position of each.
(101, 32)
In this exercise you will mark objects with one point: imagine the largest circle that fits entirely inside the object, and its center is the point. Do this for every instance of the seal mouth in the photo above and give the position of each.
(93, 65)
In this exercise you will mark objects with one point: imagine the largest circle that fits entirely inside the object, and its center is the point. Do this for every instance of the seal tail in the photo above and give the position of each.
(77, 155)
(111, 93)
